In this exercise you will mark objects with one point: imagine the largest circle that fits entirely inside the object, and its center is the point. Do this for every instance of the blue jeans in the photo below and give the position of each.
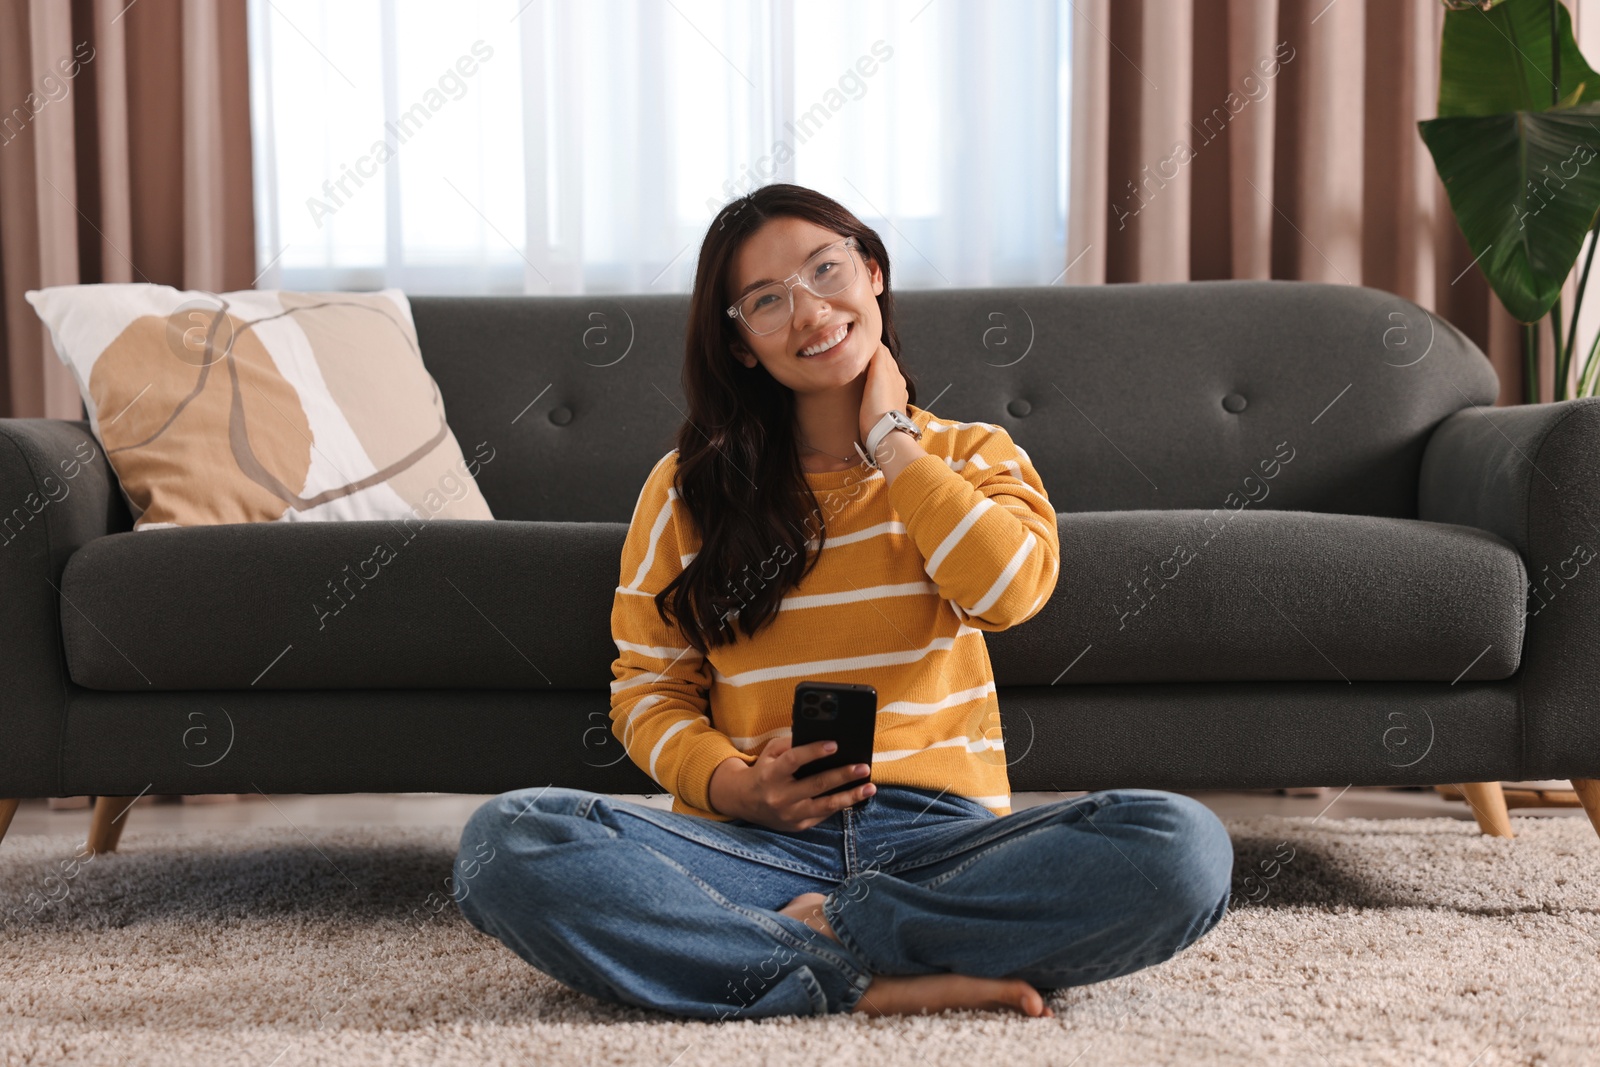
(640, 906)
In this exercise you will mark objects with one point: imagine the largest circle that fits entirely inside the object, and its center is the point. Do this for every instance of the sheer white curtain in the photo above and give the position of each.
(553, 146)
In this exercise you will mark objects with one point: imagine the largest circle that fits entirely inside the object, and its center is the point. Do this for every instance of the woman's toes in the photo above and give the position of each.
(1024, 998)
(1033, 1003)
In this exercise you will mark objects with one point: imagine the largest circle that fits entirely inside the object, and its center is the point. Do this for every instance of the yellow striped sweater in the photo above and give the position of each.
(910, 576)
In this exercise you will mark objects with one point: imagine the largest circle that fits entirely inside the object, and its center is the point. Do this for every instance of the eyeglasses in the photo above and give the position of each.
(831, 270)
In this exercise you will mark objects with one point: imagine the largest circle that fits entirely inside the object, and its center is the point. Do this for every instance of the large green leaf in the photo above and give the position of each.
(1524, 187)
(1498, 60)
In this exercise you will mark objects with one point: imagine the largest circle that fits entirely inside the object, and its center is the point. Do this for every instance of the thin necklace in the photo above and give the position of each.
(813, 448)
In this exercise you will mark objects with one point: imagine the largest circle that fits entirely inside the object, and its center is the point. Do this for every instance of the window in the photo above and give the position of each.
(552, 146)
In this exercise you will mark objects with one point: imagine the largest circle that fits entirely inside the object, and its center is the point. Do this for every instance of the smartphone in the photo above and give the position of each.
(835, 711)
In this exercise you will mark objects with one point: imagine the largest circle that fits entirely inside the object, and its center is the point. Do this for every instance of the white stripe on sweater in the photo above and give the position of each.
(655, 753)
(854, 596)
(977, 460)
(911, 707)
(982, 744)
(645, 677)
(890, 527)
(1007, 576)
(750, 744)
(843, 663)
(938, 426)
(653, 651)
(627, 722)
(953, 538)
(662, 518)
(900, 707)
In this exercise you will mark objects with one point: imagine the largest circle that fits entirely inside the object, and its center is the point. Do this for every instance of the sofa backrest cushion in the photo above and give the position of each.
(1126, 397)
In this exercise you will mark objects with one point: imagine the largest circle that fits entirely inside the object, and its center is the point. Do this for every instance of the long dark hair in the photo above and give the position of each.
(738, 471)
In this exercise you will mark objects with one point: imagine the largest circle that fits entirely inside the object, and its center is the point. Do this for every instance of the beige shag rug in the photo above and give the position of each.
(1407, 941)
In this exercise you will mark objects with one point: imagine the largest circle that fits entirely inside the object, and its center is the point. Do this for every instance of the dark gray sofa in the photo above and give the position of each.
(1298, 549)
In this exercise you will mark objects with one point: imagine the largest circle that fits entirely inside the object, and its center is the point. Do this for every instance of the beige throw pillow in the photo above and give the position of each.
(262, 405)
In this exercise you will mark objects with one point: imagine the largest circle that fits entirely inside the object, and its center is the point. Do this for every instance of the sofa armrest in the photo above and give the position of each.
(57, 492)
(1531, 473)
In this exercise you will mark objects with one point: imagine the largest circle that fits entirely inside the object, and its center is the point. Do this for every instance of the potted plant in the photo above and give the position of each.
(1517, 145)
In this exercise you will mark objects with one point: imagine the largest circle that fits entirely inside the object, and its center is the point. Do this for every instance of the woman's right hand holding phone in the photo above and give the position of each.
(768, 793)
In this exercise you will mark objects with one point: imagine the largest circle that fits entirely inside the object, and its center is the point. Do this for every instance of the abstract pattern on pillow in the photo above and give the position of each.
(260, 406)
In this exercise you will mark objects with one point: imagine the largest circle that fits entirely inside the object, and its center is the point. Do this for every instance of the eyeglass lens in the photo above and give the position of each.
(828, 272)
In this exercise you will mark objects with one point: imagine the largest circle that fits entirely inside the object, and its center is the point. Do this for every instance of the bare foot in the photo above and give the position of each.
(923, 993)
(916, 994)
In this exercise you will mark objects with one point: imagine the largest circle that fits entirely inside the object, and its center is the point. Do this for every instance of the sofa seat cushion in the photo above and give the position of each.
(1258, 595)
(347, 605)
(1143, 596)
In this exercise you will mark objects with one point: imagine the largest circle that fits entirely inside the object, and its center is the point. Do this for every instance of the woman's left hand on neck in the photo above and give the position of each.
(886, 391)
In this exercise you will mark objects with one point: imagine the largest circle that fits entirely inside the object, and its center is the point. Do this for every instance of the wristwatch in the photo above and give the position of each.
(892, 420)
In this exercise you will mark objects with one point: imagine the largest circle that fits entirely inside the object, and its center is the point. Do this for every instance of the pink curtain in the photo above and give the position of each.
(124, 157)
(1303, 160)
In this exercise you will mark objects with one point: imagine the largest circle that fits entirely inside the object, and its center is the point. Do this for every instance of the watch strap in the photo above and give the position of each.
(890, 421)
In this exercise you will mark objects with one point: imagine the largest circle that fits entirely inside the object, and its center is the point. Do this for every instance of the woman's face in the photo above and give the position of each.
(773, 253)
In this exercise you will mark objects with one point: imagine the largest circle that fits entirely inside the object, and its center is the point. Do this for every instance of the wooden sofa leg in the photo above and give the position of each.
(1588, 790)
(1488, 803)
(105, 828)
(8, 808)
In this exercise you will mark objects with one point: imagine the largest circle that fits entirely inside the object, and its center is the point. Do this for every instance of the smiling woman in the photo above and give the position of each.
(839, 887)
